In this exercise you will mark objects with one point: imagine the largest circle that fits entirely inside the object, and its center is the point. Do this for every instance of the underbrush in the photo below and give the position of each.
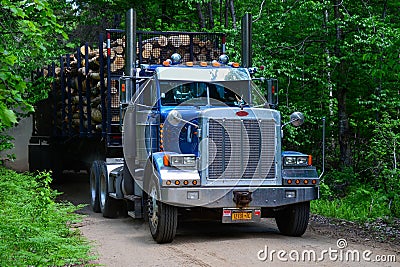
(360, 203)
(34, 229)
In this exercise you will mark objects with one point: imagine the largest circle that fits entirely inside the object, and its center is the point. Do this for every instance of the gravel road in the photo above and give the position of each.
(127, 242)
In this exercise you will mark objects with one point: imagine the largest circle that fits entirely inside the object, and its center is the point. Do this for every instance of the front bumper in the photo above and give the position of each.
(222, 197)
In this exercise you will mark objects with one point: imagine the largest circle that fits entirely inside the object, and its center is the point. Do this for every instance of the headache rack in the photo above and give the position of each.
(152, 48)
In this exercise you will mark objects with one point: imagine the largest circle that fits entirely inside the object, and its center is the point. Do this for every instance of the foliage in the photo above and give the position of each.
(31, 35)
(362, 204)
(33, 228)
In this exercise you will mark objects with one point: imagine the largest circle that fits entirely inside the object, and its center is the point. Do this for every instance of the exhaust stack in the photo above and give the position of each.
(247, 61)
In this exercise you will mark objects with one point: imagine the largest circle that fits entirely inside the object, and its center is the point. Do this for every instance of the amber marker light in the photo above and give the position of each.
(166, 160)
(314, 181)
(166, 63)
(194, 182)
(177, 182)
(235, 65)
(203, 64)
(186, 182)
(305, 181)
(297, 181)
(309, 160)
(216, 64)
(189, 64)
(289, 181)
(168, 182)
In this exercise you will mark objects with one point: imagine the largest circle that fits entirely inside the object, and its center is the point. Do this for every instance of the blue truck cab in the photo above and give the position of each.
(204, 136)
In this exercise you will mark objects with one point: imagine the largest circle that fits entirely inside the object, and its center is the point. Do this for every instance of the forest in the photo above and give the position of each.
(334, 59)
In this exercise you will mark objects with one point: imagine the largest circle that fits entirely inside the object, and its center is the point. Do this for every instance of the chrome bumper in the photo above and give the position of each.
(222, 197)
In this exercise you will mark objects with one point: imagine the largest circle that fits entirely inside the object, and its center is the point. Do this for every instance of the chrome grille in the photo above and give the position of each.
(241, 149)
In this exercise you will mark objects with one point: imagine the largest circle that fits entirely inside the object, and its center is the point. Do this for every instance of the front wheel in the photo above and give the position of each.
(163, 218)
(293, 220)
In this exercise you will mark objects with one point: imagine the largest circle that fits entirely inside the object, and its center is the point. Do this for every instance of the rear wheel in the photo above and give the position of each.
(293, 220)
(109, 206)
(163, 218)
(94, 186)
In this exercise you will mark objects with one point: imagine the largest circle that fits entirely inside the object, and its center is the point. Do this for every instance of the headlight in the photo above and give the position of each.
(290, 161)
(189, 161)
(302, 160)
(296, 161)
(180, 160)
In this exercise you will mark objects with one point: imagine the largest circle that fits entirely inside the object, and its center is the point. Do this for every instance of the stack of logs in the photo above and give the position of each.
(78, 79)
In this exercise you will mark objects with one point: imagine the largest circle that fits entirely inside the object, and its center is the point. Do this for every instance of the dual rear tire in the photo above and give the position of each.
(100, 189)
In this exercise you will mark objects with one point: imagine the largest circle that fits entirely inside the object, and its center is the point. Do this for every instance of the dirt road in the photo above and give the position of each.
(127, 242)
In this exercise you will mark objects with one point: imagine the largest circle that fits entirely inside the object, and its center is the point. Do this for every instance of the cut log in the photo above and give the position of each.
(119, 49)
(83, 52)
(148, 46)
(146, 53)
(156, 52)
(174, 41)
(162, 41)
(185, 39)
(118, 63)
(96, 115)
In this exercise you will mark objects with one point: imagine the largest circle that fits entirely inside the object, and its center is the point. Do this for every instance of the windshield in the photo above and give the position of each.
(175, 93)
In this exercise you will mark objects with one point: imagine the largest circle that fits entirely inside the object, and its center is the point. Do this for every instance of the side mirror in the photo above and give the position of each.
(272, 92)
(297, 118)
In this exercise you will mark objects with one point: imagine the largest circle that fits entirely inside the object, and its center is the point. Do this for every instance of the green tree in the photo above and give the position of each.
(31, 35)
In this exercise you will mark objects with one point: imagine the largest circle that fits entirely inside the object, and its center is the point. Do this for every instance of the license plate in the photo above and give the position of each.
(241, 216)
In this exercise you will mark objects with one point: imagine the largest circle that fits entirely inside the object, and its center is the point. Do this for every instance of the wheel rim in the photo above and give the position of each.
(153, 208)
(102, 190)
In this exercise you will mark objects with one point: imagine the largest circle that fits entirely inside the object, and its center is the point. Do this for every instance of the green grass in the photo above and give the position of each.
(361, 204)
(34, 229)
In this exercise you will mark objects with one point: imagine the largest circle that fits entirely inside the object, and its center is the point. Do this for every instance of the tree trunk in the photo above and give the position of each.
(226, 13)
(232, 8)
(210, 14)
(202, 23)
(343, 123)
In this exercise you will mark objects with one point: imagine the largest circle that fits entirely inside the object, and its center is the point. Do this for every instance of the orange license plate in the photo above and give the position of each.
(241, 216)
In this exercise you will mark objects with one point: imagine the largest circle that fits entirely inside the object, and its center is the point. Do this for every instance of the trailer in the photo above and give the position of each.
(184, 132)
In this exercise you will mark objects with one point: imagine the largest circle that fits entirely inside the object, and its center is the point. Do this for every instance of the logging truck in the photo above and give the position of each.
(171, 130)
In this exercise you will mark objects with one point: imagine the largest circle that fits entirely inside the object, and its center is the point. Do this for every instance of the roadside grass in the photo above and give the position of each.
(34, 229)
(360, 204)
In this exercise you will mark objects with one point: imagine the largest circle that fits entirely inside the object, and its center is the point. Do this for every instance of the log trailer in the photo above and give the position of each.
(191, 134)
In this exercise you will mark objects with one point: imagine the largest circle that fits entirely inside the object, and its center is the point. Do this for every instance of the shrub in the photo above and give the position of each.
(34, 229)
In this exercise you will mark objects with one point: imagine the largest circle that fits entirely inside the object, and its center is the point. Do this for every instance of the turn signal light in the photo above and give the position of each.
(216, 63)
(166, 160)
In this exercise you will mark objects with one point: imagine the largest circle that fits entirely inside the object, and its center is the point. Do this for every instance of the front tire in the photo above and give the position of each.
(293, 220)
(163, 218)
(109, 206)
